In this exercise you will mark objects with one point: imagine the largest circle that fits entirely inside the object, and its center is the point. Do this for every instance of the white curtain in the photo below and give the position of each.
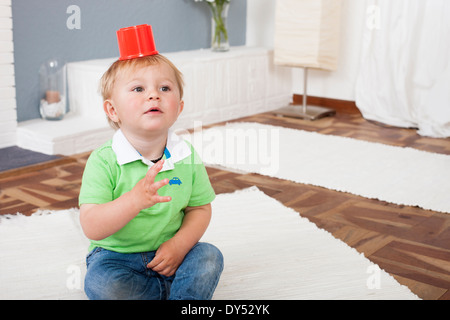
(404, 77)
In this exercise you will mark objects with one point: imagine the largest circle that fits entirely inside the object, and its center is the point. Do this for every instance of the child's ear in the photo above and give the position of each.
(110, 110)
(181, 107)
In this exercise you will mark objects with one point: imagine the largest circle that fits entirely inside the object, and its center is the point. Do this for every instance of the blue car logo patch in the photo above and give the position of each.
(175, 180)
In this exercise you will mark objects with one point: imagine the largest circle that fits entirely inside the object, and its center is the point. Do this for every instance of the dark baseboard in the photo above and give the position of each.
(342, 106)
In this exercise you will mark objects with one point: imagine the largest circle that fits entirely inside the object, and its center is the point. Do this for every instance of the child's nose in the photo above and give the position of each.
(154, 95)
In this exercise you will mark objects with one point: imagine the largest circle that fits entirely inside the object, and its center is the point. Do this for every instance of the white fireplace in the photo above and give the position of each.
(8, 114)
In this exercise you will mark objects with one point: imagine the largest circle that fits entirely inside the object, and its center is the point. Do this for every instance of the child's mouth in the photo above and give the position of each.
(154, 110)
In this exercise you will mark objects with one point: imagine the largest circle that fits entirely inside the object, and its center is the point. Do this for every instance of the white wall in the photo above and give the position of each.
(339, 84)
(8, 116)
(260, 22)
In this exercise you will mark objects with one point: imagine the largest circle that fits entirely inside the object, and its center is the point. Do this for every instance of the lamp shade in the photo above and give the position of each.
(307, 33)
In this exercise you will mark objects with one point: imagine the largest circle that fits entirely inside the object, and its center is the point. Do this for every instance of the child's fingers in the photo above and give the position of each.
(152, 173)
(154, 186)
(163, 199)
(156, 261)
(156, 168)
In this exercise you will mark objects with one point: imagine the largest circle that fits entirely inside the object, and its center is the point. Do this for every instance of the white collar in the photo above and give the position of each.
(176, 150)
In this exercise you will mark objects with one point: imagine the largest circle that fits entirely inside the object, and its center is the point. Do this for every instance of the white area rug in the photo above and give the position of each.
(270, 253)
(403, 176)
(42, 256)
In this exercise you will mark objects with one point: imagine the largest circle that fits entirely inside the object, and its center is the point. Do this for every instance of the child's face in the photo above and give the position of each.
(145, 100)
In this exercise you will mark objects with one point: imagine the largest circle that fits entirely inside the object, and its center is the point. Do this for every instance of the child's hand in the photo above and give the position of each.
(168, 258)
(145, 192)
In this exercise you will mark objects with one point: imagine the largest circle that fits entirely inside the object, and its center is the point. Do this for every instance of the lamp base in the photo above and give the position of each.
(308, 113)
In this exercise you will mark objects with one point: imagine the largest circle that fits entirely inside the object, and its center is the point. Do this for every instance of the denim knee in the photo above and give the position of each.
(198, 275)
(212, 258)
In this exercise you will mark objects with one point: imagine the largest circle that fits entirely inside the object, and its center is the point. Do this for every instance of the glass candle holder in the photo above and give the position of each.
(52, 76)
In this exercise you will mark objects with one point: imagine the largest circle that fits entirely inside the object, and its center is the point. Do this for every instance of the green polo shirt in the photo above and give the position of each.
(116, 167)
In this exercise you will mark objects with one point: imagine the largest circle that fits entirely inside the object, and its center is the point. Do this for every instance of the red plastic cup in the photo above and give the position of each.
(136, 41)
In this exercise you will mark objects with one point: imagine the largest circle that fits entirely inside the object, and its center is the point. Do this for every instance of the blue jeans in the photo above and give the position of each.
(113, 275)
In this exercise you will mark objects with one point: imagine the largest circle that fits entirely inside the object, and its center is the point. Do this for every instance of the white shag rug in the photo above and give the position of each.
(270, 253)
(402, 176)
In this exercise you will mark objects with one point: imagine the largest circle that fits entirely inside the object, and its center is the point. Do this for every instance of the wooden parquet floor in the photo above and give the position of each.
(411, 244)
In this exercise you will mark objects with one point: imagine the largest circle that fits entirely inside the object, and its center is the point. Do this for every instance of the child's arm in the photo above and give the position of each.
(102, 220)
(172, 252)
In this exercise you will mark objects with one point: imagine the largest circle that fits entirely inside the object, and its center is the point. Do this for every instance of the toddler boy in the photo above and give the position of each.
(145, 195)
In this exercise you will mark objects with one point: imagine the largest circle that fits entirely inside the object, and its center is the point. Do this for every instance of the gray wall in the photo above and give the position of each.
(40, 33)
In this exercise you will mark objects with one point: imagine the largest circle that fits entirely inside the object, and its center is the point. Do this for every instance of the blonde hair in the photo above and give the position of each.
(109, 77)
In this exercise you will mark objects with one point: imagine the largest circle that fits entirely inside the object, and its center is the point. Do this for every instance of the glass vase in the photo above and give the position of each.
(219, 32)
(52, 76)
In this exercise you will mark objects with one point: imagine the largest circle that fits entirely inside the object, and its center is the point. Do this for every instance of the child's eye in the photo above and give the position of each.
(138, 89)
(165, 88)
